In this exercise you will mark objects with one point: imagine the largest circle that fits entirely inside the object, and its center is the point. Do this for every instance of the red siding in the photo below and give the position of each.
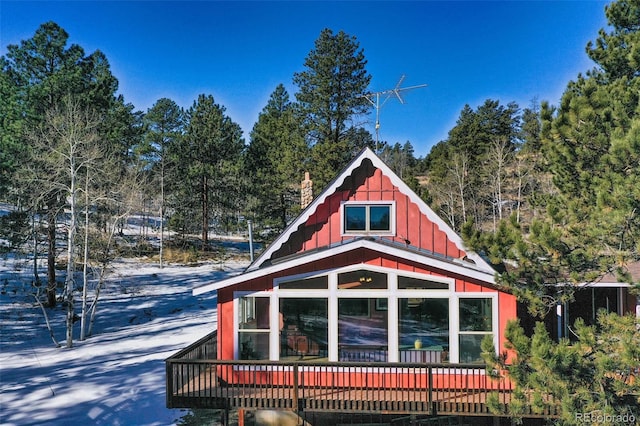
(367, 183)
(507, 311)
(225, 328)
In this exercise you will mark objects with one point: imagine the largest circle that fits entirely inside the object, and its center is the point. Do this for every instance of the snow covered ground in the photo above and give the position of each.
(117, 376)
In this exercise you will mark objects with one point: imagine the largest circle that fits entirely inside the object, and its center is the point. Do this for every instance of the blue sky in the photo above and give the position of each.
(240, 51)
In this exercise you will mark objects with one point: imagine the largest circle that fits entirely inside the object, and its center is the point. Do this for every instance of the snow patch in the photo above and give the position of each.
(117, 376)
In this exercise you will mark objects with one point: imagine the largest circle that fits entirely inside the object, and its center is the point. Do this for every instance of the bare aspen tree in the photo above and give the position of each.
(446, 195)
(500, 154)
(460, 172)
(124, 198)
(451, 189)
(67, 137)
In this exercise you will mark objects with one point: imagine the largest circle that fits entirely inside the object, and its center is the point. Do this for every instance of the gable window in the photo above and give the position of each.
(367, 218)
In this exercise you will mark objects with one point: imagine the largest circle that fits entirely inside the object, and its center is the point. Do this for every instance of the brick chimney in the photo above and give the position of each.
(306, 191)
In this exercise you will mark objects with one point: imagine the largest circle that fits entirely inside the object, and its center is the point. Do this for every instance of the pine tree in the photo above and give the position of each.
(331, 95)
(164, 122)
(275, 162)
(41, 71)
(461, 168)
(591, 147)
(13, 150)
(210, 154)
(593, 376)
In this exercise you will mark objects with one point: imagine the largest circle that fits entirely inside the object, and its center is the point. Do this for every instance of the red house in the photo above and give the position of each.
(368, 290)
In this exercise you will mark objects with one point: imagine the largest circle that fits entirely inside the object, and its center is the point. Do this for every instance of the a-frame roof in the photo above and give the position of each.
(367, 154)
(475, 267)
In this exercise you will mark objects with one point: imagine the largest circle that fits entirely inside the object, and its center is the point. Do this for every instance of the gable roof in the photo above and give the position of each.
(366, 154)
(472, 266)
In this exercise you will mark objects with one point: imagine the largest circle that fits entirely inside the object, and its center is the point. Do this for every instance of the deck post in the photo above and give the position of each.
(169, 390)
(295, 388)
(225, 416)
(432, 404)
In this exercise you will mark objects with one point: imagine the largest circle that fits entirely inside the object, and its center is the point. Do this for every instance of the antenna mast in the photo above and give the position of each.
(374, 98)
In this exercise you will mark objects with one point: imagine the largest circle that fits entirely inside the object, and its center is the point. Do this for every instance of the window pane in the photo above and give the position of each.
(470, 348)
(253, 313)
(362, 330)
(475, 315)
(426, 320)
(354, 307)
(254, 345)
(308, 283)
(362, 279)
(379, 218)
(303, 328)
(418, 284)
(355, 218)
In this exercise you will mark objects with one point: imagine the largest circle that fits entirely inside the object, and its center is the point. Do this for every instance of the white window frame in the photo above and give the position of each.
(236, 320)
(392, 293)
(455, 305)
(367, 231)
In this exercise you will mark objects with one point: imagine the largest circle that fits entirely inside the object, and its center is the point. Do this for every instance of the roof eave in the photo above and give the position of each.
(455, 267)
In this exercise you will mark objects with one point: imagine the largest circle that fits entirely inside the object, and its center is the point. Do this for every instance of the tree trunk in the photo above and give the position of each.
(205, 214)
(46, 318)
(283, 212)
(36, 277)
(85, 272)
(161, 210)
(51, 253)
(69, 282)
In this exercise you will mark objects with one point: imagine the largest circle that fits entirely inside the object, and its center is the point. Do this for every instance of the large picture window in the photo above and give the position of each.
(362, 330)
(423, 329)
(303, 328)
(367, 218)
(365, 313)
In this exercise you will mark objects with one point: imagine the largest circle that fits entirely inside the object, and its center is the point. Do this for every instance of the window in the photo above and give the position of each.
(304, 328)
(253, 328)
(423, 320)
(476, 322)
(410, 283)
(362, 280)
(364, 313)
(362, 330)
(367, 218)
(313, 283)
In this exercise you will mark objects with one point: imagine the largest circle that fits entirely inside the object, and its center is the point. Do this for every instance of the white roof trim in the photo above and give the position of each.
(457, 267)
(403, 187)
(596, 284)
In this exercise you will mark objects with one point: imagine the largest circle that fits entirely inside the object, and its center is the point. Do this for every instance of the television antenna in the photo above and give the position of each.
(374, 98)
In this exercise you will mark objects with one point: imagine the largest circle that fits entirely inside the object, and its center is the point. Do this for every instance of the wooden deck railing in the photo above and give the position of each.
(195, 379)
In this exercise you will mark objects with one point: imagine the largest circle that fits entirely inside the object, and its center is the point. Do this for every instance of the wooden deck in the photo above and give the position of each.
(405, 401)
(196, 381)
